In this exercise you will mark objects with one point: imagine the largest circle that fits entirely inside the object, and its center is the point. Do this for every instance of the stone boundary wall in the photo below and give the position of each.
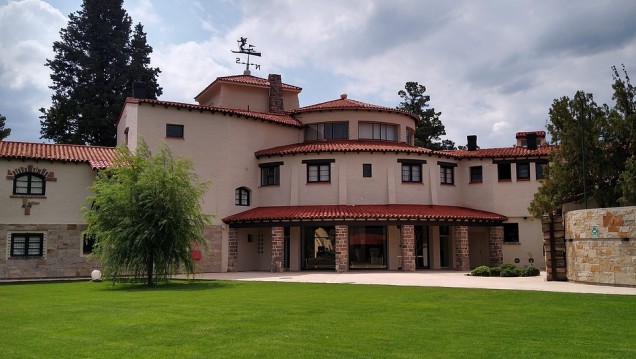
(601, 246)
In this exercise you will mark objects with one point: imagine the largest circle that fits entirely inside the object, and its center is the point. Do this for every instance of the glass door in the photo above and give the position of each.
(422, 258)
(444, 246)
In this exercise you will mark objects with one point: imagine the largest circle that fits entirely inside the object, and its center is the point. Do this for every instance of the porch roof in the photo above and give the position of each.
(401, 213)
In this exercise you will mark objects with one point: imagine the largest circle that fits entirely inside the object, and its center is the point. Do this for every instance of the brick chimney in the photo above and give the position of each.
(472, 142)
(275, 94)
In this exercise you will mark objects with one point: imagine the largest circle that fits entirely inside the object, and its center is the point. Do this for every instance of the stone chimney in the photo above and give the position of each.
(139, 90)
(531, 140)
(275, 94)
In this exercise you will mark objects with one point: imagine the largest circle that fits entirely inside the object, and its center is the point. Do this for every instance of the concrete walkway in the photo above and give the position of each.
(451, 279)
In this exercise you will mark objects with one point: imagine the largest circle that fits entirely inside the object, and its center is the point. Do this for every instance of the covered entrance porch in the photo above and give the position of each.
(371, 237)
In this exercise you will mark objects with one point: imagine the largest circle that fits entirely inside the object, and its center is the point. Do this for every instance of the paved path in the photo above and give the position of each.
(425, 279)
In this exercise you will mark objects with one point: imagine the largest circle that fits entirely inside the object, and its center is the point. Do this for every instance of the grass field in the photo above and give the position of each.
(295, 320)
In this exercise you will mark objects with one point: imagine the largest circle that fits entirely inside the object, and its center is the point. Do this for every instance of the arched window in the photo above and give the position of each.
(242, 196)
(29, 184)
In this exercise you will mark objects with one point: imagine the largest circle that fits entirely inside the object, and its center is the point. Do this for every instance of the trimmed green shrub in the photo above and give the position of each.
(530, 272)
(481, 271)
(509, 270)
(495, 271)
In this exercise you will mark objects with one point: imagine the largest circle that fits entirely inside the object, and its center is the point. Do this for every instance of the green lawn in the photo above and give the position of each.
(294, 320)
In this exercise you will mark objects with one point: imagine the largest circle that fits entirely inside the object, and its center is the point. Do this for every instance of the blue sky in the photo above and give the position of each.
(491, 67)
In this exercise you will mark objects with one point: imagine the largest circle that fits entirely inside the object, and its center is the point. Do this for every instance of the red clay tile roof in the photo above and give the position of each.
(540, 134)
(389, 212)
(342, 146)
(248, 80)
(280, 119)
(506, 152)
(96, 157)
(343, 103)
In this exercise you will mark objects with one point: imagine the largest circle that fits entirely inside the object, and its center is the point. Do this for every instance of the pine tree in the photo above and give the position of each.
(4, 132)
(93, 71)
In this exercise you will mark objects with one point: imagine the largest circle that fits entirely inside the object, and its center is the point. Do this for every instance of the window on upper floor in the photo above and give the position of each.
(366, 170)
(27, 244)
(410, 136)
(327, 131)
(447, 172)
(174, 131)
(29, 184)
(318, 170)
(523, 171)
(378, 131)
(411, 170)
(270, 173)
(503, 172)
(476, 174)
(511, 232)
(242, 196)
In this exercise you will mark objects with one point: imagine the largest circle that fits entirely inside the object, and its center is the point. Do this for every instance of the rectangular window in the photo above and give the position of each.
(377, 131)
(539, 169)
(410, 135)
(503, 172)
(523, 171)
(270, 173)
(366, 170)
(174, 131)
(476, 174)
(411, 172)
(446, 172)
(318, 170)
(88, 242)
(27, 244)
(511, 232)
(327, 131)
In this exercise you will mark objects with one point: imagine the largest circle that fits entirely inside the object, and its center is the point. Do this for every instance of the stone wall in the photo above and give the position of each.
(601, 245)
(61, 258)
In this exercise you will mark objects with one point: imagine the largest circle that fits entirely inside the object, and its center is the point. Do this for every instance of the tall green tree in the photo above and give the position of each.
(145, 215)
(4, 132)
(595, 162)
(93, 70)
(429, 127)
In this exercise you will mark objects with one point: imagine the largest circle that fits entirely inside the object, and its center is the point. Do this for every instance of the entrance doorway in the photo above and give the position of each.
(318, 247)
(422, 257)
(444, 247)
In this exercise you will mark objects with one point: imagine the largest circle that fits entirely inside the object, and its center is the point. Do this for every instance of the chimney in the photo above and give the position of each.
(139, 89)
(275, 94)
(472, 142)
(531, 139)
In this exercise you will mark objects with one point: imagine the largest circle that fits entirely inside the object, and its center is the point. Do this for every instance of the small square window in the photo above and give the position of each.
(411, 172)
(446, 175)
(539, 169)
(174, 131)
(270, 175)
(511, 232)
(504, 172)
(476, 174)
(366, 170)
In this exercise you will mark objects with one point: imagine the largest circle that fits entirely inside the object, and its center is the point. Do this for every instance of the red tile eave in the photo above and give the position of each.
(95, 156)
(340, 213)
(351, 105)
(506, 152)
(343, 146)
(280, 119)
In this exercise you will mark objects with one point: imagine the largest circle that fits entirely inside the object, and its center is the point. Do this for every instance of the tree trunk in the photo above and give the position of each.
(149, 268)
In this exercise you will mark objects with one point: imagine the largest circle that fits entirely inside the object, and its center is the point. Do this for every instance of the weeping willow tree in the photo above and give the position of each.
(145, 216)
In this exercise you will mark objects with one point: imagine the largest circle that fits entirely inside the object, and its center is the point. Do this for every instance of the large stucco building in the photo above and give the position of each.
(332, 186)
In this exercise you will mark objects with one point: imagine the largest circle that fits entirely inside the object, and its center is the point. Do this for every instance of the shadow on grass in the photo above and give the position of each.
(172, 286)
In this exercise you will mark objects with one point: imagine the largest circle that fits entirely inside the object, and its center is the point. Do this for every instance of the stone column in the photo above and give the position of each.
(495, 241)
(408, 248)
(462, 259)
(342, 249)
(232, 250)
(278, 240)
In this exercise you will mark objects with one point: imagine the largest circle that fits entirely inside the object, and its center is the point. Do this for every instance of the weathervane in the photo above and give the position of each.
(245, 48)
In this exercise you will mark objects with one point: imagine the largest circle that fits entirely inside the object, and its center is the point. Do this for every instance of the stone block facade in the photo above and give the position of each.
(408, 248)
(601, 246)
(462, 258)
(342, 249)
(495, 244)
(278, 240)
(61, 258)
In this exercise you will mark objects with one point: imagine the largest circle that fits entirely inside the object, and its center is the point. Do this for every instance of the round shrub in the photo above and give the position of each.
(495, 271)
(530, 272)
(481, 271)
(509, 270)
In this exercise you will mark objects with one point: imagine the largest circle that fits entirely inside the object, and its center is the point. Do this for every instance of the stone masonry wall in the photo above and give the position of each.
(408, 248)
(601, 246)
(342, 249)
(62, 253)
(462, 258)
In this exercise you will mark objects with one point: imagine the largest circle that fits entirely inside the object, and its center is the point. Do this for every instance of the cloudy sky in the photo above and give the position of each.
(491, 67)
